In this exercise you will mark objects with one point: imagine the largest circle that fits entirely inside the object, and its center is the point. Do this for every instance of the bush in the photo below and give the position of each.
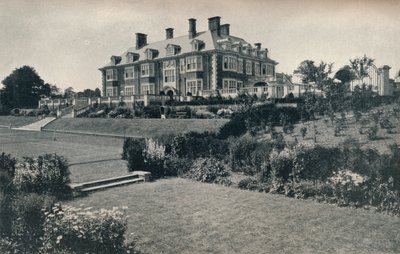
(372, 132)
(27, 220)
(258, 116)
(248, 184)
(133, 152)
(47, 174)
(7, 172)
(154, 156)
(194, 145)
(78, 230)
(310, 189)
(15, 112)
(174, 166)
(303, 132)
(208, 170)
(247, 154)
(152, 111)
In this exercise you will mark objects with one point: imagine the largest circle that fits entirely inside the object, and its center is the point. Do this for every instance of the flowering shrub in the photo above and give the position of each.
(81, 230)
(154, 157)
(207, 170)
(27, 219)
(46, 174)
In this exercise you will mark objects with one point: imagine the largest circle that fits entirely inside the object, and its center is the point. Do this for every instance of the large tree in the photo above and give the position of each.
(23, 88)
(317, 74)
(360, 67)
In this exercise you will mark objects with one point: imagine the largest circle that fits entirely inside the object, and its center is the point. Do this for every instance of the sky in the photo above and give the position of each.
(67, 41)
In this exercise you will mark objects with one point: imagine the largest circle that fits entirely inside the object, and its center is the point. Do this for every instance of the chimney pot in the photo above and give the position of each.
(214, 25)
(192, 28)
(169, 33)
(225, 29)
(141, 40)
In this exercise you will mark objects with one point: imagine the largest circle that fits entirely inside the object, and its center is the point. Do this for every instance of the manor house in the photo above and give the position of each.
(197, 64)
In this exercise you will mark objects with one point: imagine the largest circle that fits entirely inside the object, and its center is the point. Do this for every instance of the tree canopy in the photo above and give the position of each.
(23, 88)
(312, 73)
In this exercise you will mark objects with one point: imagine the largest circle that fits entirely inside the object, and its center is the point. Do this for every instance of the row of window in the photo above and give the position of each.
(231, 63)
(193, 63)
(192, 86)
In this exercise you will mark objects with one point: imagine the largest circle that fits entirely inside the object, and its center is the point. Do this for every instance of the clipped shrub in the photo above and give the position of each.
(207, 170)
(133, 152)
(152, 111)
(46, 174)
(194, 145)
(80, 230)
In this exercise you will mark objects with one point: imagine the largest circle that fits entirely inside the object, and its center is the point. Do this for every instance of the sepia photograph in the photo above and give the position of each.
(199, 126)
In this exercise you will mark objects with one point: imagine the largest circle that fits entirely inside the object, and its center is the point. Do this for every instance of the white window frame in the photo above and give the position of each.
(182, 65)
(147, 70)
(264, 67)
(129, 73)
(129, 90)
(194, 86)
(111, 74)
(147, 88)
(194, 63)
(229, 63)
(249, 67)
(257, 69)
(229, 83)
(270, 70)
(240, 65)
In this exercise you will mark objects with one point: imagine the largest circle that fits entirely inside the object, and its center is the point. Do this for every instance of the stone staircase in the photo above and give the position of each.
(87, 187)
(36, 126)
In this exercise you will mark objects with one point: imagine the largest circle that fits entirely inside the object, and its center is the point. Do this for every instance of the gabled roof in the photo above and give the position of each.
(185, 43)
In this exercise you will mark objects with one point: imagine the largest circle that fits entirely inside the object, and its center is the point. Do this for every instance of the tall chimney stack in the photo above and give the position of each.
(169, 33)
(192, 28)
(214, 25)
(225, 29)
(141, 40)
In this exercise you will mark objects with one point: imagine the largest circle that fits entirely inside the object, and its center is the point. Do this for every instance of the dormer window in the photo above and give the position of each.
(172, 49)
(131, 57)
(197, 45)
(225, 43)
(151, 54)
(115, 60)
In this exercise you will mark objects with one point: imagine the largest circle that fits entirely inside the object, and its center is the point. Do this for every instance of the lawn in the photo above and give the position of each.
(179, 216)
(136, 127)
(16, 121)
(91, 157)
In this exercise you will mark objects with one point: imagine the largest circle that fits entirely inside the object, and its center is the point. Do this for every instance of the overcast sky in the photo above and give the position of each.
(67, 41)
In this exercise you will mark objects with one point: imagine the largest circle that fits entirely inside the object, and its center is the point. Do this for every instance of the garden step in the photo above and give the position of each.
(38, 125)
(134, 175)
(113, 184)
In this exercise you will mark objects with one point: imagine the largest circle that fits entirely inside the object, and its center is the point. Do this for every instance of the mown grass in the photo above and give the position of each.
(16, 121)
(91, 157)
(180, 216)
(136, 127)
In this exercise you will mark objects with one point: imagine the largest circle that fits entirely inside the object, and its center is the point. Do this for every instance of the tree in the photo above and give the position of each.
(344, 74)
(23, 88)
(89, 93)
(360, 66)
(69, 93)
(311, 73)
